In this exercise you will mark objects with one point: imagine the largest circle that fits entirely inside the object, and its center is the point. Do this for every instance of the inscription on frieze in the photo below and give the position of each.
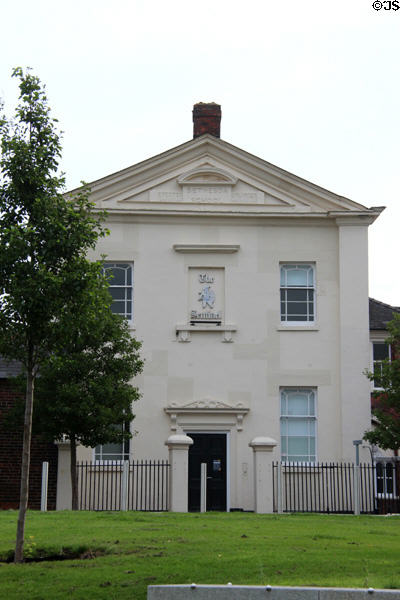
(207, 194)
(168, 197)
(202, 194)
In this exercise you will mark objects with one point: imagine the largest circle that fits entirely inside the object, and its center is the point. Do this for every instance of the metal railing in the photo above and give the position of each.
(123, 485)
(330, 487)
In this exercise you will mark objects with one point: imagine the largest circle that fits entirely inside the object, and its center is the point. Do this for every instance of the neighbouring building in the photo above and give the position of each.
(11, 451)
(249, 289)
(387, 463)
(379, 316)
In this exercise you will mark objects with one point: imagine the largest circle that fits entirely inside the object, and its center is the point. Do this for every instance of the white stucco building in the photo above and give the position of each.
(248, 287)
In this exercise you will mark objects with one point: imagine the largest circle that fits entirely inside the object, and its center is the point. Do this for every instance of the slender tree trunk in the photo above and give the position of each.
(26, 459)
(74, 479)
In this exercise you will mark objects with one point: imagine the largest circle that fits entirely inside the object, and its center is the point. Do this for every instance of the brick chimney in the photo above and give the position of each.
(206, 119)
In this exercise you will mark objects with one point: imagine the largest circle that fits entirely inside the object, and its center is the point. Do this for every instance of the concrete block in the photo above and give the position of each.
(249, 592)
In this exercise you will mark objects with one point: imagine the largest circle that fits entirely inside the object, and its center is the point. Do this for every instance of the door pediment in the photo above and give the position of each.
(206, 412)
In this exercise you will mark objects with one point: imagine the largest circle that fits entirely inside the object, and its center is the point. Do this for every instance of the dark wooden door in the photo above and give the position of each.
(208, 448)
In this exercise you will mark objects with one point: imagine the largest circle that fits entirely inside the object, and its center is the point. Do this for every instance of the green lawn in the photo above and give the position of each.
(139, 549)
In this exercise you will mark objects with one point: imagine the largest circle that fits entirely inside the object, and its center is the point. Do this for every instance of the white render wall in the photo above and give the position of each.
(264, 355)
(354, 332)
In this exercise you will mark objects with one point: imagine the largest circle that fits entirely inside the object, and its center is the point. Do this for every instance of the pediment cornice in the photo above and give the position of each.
(207, 404)
(208, 163)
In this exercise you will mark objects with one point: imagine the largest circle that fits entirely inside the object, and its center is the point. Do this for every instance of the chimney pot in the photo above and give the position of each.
(206, 119)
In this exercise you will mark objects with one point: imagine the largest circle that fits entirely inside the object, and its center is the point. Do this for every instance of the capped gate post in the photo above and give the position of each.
(64, 488)
(263, 489)
(178, 446)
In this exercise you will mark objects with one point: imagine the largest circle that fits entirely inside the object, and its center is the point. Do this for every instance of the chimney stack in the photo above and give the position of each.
(206, 119)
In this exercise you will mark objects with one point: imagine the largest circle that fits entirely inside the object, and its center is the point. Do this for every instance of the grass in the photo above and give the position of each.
(129, 551)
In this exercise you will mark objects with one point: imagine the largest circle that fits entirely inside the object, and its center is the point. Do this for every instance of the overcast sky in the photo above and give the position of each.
(309, 85)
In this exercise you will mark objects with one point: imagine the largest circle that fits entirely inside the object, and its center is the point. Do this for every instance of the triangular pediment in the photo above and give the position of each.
(209, 171)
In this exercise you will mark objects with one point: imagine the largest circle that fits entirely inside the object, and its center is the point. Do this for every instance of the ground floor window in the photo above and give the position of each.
(114, 451)
(298, 424)
(385, 480)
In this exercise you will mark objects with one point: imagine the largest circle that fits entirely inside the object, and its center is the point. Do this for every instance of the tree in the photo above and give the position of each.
(45, 237)
(83, 390)
(386, 430)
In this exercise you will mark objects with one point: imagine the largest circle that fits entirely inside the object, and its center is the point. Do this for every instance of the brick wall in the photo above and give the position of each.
(10, 460)
(206, 119)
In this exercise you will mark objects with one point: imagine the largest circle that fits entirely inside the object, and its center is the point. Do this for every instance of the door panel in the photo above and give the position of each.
(208, 448)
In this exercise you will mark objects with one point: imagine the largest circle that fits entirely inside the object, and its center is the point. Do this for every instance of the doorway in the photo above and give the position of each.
(208, 448)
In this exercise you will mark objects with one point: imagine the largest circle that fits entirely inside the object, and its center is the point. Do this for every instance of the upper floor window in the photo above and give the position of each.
(298, 424)
(297, 293)
(380, 351)
(121, 288)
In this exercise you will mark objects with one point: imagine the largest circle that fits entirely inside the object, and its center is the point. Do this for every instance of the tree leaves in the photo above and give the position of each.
(46, 280)
(386, 408)
(45, 234)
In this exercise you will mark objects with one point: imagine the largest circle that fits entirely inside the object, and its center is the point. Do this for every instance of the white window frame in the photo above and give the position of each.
(120, 264)
(284, 267)
(285, 416)
(384, 479)
(378, 341)
(122, 456)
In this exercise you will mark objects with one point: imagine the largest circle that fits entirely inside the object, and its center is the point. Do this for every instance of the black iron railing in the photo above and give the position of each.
(122, 485)
(331, 488)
